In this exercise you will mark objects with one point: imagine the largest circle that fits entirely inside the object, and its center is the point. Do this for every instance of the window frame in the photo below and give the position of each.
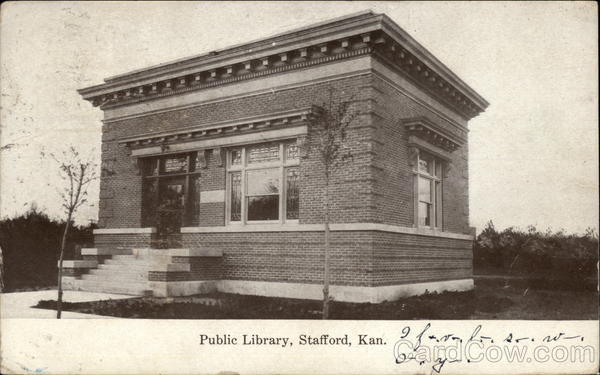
(282, 164)
(436, 181)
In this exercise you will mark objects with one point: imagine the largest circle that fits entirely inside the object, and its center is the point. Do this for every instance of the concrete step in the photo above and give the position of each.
(123, 277)
(132, 262)
(105, 251)
(142, 258)
(134, 289)
(119, 273)
(124, 267)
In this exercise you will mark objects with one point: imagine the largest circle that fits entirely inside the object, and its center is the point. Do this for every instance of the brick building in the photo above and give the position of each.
(209, 181)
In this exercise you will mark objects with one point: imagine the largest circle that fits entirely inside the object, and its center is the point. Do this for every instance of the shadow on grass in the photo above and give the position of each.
(491, 299)
(449, 305)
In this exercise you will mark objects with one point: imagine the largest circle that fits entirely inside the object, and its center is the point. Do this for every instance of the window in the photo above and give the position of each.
(428, 188)
(262, 183)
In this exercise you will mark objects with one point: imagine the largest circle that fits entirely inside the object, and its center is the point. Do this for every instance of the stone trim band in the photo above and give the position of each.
(125, 231)
(346, 293)
(297, 228)
(334, 227)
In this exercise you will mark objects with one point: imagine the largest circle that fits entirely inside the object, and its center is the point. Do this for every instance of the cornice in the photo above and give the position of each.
(357, 35)
(427, 130)
(220, 129)
(216, 78)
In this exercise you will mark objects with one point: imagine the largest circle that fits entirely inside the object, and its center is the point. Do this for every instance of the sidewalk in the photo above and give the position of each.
(18, 305)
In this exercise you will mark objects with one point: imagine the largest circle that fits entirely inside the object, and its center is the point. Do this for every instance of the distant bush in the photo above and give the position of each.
(538, 254)
(30, 249)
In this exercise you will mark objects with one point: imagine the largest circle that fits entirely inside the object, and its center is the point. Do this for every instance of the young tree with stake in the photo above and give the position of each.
(327, 136)
(77, 173)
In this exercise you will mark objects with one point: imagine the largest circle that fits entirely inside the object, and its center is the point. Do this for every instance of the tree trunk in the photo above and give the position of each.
(60, 266)
(327, 252)
(1, 272)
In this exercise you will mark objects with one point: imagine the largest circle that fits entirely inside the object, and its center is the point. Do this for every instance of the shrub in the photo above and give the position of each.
(538, 254)
(30, 248)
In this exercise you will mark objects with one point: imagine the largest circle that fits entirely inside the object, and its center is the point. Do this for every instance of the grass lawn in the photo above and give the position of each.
(491, 299)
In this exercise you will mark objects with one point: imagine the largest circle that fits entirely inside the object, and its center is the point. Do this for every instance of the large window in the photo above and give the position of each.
(428, 187)
(262, 183)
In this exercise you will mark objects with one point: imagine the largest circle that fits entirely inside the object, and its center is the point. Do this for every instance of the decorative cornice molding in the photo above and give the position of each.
(423, 128)
(251, 124)
(375, 34)
(213, 79)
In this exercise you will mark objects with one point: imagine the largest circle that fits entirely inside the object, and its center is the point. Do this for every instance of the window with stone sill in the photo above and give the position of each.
(428, 182)
(262, 183)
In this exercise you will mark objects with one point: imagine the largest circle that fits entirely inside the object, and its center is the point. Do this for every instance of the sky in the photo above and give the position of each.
(533, 153)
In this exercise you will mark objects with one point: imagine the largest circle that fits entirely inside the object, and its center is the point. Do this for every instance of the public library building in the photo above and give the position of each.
(209, 184)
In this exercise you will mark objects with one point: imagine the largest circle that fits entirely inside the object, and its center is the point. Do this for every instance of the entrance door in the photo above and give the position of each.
(170, 197)
(171, 205)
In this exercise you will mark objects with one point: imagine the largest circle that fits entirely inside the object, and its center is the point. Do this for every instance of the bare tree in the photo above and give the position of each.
(77, 173)
(327, 136)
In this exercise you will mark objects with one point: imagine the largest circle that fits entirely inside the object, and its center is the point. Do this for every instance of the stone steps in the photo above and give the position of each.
(141, 258)
(114, 276)
(137, 263)
(118, 267)
(129, 288)
(122, 274)
(104, 251)
(126, 271)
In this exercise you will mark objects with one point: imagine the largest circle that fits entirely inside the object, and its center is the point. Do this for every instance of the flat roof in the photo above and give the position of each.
(331, 29)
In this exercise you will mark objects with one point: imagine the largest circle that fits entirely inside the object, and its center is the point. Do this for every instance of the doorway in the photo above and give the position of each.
(170, 194)
(171, 205)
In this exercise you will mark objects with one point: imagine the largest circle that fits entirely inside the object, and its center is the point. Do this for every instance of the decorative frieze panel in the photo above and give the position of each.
(447, 170)
(413, 156)
(201, 159)
(218, 156)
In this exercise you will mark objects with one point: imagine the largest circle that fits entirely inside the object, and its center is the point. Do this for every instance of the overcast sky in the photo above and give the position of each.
(533, 153)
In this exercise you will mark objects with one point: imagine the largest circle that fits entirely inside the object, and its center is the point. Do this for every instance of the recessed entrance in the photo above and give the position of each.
(170, 193)
(171, 205)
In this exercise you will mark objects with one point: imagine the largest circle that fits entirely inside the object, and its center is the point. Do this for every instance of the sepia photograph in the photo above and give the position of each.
(384, 182)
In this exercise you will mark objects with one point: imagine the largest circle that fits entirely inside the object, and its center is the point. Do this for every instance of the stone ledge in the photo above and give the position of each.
(79, 263)
(125, 231)
(176, 252)
(170, 267)
(336, 227)
(104, 251)
(196, 252)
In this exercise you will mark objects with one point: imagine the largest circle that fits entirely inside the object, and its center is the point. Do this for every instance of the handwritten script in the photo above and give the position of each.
(428, 346)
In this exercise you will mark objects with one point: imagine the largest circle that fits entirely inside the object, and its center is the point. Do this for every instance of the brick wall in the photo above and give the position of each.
(375, 186)
(401, 258)
(113, 241)
(351, 187)
(120, 184)
(212, 178)
(358, 258)
(392, 173)
(201, 268)
(290, 256)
